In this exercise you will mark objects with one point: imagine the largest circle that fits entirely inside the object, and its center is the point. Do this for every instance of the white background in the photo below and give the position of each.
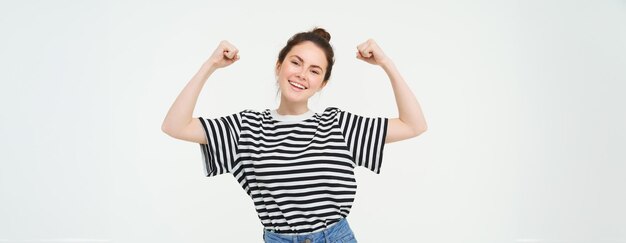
(523, 99)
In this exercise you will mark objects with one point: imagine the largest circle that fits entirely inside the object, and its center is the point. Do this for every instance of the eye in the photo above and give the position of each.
(294, 62)
(315, 72)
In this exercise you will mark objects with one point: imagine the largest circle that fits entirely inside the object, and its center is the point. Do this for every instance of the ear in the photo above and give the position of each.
(277, 69)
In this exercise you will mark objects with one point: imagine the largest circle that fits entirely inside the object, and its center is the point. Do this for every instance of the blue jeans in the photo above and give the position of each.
(339, 232)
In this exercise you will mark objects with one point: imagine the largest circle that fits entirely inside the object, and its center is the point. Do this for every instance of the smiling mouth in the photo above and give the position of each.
(296, 85)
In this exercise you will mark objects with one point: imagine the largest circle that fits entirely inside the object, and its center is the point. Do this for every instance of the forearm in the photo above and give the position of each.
(181, 111)
(409, 110)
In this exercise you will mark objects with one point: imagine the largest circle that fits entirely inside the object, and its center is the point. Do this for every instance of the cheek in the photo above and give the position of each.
(316, 82)
(319, 78)
(290, 70)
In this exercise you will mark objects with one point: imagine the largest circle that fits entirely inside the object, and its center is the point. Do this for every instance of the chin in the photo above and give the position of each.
(290, 96)
(293, 98)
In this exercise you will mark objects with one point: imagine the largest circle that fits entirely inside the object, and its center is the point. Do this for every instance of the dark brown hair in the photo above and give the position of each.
(319, 37)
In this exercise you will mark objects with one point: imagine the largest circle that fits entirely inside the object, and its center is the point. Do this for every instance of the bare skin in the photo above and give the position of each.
(410, 122)
(305, 65)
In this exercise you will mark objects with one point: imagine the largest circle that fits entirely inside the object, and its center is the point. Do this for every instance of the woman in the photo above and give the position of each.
(296, 164)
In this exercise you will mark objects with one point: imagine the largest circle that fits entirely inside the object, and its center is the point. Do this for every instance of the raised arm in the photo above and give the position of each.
(410, 122)
(178, 122)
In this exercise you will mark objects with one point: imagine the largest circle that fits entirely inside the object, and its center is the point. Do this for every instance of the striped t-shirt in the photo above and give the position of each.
(298, 172)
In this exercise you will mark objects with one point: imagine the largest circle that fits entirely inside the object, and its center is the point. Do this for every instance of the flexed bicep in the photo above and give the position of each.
(398, 131)
(193, 132)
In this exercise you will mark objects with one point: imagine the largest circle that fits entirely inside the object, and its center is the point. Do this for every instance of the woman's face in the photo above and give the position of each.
(304, 66)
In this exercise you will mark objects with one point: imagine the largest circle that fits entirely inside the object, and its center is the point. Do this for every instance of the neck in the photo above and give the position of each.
(292, 108)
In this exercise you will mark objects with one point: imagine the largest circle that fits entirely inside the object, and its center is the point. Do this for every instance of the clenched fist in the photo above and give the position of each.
(224, 55)
(371, 53)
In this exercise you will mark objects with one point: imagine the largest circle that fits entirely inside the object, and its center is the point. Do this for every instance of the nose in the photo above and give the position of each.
(302, 74)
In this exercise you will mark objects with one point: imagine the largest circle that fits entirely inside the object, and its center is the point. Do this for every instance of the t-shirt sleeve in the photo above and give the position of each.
(365, 137)
(220, 154)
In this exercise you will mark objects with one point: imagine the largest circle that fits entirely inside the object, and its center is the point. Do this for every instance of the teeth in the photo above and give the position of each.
(297, 85)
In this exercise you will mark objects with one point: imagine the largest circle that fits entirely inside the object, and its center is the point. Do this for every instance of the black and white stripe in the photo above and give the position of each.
(298, 174)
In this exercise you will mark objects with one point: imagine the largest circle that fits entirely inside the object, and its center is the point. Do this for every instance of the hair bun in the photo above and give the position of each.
(321, 33)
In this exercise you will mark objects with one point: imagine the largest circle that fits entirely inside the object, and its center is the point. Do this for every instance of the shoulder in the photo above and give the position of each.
(332, 112)
(253, 113)
(332, 109)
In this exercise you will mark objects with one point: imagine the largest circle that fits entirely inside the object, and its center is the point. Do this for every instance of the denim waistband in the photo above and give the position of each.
(332, 232)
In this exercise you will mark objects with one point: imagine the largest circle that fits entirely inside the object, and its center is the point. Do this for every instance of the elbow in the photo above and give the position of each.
(166, 129)
(163, 128)
(419, 130)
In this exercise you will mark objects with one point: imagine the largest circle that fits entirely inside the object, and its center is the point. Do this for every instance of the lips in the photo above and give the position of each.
(297, 86)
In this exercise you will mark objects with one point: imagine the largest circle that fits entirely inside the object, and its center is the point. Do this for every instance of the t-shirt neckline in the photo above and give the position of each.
(291, 118)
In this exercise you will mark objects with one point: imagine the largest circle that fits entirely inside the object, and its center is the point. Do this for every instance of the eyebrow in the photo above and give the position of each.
(301, 60)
